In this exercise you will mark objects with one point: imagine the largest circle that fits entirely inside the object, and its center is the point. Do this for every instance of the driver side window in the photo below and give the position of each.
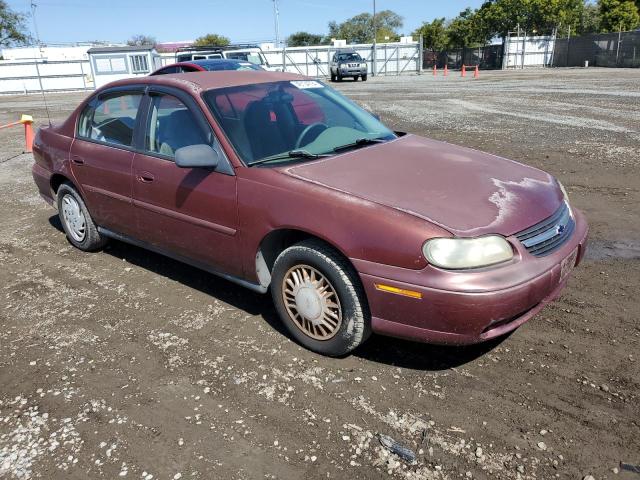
(172, 126)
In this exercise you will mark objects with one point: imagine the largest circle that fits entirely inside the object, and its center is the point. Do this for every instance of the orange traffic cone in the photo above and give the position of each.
(464, 71)
(27, 121)
(476, 74)
(435, 70)
(446, 70)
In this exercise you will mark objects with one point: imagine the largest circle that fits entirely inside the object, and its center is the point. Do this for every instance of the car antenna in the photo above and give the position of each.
(34, 5)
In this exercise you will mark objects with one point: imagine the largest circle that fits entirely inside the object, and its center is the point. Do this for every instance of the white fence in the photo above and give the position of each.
(525, 51)
(389, 58)
(21, 76)
(26, 76)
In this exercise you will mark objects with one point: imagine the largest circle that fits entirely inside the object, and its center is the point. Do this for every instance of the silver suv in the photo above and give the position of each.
(348, 64)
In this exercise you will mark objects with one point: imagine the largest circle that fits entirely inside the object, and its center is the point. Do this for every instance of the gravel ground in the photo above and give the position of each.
(127, 364)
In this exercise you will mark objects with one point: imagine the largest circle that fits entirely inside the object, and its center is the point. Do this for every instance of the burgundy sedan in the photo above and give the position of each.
(278, 182)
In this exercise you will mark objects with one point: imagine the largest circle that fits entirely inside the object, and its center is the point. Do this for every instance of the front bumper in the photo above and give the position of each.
(468, 307)
(352, 71)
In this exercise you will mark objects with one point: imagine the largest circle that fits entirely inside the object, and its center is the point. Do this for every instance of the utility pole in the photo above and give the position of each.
(276, 15)
(375, 34)
(34, 5)
(618, 46)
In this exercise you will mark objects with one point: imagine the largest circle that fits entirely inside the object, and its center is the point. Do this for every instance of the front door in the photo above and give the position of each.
(102, 157)
(191, 212)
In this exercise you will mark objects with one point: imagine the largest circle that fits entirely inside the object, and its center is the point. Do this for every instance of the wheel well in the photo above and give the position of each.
(276, 242)
(57, 180)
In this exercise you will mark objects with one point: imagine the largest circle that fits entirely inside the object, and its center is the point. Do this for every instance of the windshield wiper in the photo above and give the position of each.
(360, 142)
(288, 155)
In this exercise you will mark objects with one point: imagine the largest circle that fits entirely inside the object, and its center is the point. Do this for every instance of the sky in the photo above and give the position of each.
(61, 21)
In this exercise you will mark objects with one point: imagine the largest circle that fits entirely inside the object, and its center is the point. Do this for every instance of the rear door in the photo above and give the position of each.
(102, 157)
(190, 212)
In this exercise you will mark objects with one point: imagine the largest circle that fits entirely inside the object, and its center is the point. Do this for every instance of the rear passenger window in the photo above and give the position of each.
(172, 126)
(111, 120)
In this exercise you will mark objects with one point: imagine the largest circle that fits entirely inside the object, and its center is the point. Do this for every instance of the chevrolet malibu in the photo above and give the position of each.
(277, 182)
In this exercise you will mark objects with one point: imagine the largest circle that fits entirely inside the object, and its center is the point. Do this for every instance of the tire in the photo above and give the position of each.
(333, 77)
(339, 76)
(76, 221)
(364, 78)
(353, 326)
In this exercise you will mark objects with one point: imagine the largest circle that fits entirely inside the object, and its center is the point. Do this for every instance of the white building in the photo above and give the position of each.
(115, 63)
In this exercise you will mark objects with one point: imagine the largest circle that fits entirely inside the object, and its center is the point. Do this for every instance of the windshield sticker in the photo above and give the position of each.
(302, 84)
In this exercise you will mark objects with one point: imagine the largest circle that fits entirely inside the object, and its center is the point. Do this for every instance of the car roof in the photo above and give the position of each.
(214, 61)
(209, 80)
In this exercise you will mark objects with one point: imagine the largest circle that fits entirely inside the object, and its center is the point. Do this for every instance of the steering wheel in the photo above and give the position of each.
(308, 129)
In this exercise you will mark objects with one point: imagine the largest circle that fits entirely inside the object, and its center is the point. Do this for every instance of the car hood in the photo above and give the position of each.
(465, 191)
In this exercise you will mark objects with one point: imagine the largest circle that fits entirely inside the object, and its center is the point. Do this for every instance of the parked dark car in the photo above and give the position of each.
(348, 64)
(211, 65)
(278, 182)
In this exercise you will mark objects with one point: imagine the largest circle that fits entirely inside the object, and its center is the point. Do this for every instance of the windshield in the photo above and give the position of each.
(271, 119)
(349, 57)
(222, 65)
(252, 57)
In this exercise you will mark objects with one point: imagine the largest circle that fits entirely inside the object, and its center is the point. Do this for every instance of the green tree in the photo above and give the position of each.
(359, 29)
(618, 14)
(304, 39)
(469, 29)
(539, 16)
(139, 40)
(435, 35)
(12, 26)
(590, 19)
(211, 40)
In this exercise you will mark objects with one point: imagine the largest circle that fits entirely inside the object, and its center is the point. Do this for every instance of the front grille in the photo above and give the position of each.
(550, 234)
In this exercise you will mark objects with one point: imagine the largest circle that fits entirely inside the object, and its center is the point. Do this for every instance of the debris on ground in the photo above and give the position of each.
(630, 468)
(394, 447)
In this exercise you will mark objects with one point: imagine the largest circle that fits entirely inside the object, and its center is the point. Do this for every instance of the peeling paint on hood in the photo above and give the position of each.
(465, 191)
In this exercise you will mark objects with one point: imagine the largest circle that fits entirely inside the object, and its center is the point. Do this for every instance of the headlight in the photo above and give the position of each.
(566, 197)
(363, 65)
(461, 253)
(564, 190)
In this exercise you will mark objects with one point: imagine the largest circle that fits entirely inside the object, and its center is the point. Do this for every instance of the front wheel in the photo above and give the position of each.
(364, 78)
(320, 299)
(76, 220)
(333, 77)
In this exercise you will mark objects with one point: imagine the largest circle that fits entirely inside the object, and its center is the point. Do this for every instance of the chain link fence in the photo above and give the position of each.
(487, 58)
(600, 50)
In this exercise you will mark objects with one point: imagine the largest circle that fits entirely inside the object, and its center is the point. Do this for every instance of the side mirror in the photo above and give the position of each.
(197, 156)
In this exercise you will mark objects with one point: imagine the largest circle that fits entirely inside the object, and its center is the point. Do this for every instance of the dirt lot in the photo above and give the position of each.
(127, 364)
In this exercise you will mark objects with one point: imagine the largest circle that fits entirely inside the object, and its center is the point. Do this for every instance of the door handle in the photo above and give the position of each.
(78, 160)
(145, 177)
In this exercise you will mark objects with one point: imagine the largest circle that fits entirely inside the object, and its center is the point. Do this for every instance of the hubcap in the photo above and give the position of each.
(312, 302)
(74, 218)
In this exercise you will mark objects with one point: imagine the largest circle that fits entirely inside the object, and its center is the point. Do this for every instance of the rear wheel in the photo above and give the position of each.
(319, 298)
(76, 221)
